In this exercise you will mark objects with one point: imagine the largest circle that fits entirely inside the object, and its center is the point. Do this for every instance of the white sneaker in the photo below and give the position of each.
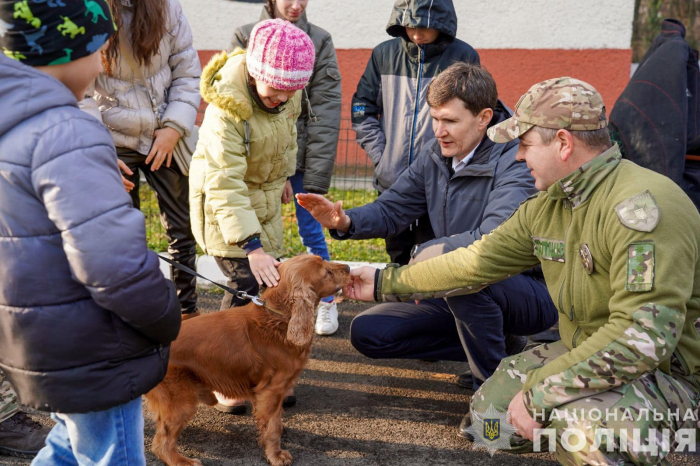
(326, 318)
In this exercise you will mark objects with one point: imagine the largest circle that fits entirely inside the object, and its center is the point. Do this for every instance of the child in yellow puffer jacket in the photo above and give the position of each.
(246, 151)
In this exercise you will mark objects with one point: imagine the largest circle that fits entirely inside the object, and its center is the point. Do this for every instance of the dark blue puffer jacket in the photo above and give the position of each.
(86, 317)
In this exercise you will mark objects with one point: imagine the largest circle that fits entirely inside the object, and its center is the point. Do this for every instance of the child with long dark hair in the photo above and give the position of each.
(148, 98)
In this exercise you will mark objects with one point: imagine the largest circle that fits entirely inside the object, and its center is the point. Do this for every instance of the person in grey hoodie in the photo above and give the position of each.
(393, 86)
(467, 186)
(86, 316)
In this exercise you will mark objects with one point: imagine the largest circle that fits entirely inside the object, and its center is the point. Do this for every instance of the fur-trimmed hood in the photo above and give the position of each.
(223, 84)
(243, 158)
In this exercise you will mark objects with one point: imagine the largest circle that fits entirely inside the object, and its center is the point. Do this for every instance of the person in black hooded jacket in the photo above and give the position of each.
(394, 85)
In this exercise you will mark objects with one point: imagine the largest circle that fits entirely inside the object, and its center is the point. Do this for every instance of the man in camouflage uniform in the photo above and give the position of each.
(620, 250)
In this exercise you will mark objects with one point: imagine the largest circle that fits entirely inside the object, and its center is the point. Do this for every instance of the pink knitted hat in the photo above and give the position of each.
(280, 54)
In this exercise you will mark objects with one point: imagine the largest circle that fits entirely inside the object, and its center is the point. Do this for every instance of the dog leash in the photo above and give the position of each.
(237, 293)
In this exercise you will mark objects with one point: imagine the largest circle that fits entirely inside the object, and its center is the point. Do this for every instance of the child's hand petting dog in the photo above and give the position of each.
(264, 267)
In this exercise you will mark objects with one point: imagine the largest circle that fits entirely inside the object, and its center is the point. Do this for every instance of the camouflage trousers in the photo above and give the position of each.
(8, 399)
(629, 410)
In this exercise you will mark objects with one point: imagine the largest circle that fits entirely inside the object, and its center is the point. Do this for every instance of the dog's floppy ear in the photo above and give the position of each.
(300, 330)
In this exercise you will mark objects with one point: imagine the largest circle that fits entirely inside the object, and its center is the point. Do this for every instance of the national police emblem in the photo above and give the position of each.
(639, 212)
(491, 429)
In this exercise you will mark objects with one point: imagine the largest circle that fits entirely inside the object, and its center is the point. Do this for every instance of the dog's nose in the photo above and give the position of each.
(347, 268)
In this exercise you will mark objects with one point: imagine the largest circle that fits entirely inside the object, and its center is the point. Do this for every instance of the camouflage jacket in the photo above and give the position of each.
(621, 273)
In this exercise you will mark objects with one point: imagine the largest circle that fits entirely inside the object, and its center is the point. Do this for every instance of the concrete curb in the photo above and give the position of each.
(207, 267)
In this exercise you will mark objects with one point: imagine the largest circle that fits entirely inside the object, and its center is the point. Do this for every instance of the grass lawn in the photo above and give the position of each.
(364, 250)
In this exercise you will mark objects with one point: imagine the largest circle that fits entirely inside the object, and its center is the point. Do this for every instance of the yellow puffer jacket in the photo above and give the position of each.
(236, 188)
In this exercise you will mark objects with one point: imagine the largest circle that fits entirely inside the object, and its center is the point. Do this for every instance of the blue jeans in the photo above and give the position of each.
(461, 328)
(310, 230)
(101, 438)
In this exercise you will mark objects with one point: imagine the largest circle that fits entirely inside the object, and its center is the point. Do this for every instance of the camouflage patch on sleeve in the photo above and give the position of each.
(548, 248)
(640, 266)
(639, 212)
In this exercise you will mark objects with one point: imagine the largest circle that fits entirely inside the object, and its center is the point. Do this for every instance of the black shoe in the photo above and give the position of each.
(289, 401)
(21, 436)
(515, 344)
(237, 409)
(465, 380)
(464, 426)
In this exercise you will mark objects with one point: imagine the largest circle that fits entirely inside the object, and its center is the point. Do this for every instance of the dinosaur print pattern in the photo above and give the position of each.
(96, 42)
(53, 32)
(62, 60)
(51, 3)
(94, 8)
(33, 37)
(14, 55)
(69, 27)
(22, 11)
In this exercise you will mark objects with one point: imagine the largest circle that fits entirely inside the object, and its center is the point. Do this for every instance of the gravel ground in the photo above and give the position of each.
(351, 410)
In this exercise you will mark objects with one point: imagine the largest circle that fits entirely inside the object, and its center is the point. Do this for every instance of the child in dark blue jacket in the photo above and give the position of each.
(86, 317)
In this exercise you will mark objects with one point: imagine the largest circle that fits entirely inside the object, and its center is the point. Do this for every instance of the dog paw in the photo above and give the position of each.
(283, 458)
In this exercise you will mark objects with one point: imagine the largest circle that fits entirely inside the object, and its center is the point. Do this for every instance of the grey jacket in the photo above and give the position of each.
(86, 316)
(173, 77)
(390, 114)
(462, 206)
(319, 122)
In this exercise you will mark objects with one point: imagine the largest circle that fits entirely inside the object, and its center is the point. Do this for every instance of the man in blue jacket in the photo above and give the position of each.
(393, 86)
(86, 317)
(468, 186)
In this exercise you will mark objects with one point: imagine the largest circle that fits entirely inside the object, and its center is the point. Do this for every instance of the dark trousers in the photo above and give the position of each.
(399, 247)
(172, 192)
(462, 328)
(240, 278)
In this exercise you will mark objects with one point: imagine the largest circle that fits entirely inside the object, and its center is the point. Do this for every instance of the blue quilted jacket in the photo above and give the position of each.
(86, 317)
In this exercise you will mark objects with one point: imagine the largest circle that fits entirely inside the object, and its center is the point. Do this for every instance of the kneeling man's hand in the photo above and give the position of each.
(520, 417)
(325, 212)
(361, 286)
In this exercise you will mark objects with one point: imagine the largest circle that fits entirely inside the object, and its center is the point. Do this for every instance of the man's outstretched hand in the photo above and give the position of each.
(325, 212)
(361, 286)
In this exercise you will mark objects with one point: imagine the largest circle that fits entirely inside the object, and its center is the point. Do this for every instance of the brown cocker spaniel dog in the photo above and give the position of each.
(250, 352)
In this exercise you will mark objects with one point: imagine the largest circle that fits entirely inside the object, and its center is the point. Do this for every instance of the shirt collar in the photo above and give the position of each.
(578, 186)
(457, 165)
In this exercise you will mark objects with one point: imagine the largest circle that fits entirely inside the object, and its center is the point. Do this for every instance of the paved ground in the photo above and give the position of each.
(352, 411)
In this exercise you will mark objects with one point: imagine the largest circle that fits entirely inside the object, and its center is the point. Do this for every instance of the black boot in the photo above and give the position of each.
(464, 426)
(515, 344)
(20, 435)
(465, 380)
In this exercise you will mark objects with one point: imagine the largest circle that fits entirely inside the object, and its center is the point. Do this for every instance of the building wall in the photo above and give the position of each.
(521, 43)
